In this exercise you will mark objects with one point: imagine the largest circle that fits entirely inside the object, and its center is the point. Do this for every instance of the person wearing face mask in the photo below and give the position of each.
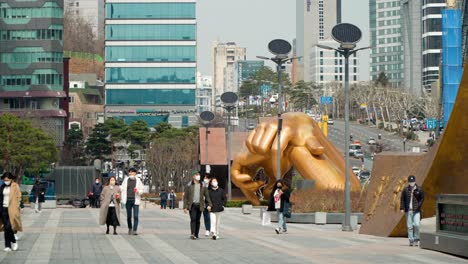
(110, 205)
(96, 192)
(38, 191)
(163, 198)
(412, 198)
(10, 221)
(206, 214)
(218, 199)
(172, 199)
(279, 196)
(132, 189)
(195, 198)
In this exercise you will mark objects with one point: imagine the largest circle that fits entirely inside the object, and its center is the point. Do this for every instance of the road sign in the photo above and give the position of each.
(431, 123)
(265, 88)
(326, 100)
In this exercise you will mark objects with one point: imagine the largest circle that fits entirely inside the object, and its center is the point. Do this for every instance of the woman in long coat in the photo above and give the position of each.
(110, 205)
(10, 221)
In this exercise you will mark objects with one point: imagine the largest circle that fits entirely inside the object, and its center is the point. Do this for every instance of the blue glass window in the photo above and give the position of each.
(151, 53)
(150, 32)
(150, 75)
(151, 10)
(150, 97)
(184, 121)
(150, 120)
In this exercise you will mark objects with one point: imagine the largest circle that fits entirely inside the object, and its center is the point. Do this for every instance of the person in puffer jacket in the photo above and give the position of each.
(412, 198)
(218, 199)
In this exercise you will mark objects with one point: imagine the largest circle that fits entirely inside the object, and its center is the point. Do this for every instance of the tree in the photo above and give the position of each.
(24, 147)
(74, 148)
(382, 80)
(78, 35)
(304, 95)
(118, 135)
(98, 145)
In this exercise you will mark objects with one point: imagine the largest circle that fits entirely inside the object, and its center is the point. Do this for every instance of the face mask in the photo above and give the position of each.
(214, 184)
(278, 186)
(412, 184)
(206, 181)
(97, 182)
(7, 182)
(197, 177)
(112, 182)
(132, 177)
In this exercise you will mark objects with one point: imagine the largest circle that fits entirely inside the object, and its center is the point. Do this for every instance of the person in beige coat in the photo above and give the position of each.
(110, 205)
(10, 221)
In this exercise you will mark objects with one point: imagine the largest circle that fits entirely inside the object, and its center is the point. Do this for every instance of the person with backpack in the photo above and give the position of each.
(411, 201)
(218, 199)
(163, 197)
(278, 199)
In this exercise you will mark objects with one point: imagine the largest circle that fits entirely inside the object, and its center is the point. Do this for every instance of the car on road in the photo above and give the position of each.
(330, 121)
(250, 126)
(371, 141)
(353, 148)
(356, 170)
(364, 175)
(359, 154)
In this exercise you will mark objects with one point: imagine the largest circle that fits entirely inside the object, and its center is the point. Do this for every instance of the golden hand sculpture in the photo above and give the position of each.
(303, 146)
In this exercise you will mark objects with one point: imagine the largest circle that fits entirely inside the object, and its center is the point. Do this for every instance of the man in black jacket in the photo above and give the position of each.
(412, 198)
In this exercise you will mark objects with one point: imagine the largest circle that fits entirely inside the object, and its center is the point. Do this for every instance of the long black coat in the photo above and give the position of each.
(218, 199)
(284, 198)
(38, 190)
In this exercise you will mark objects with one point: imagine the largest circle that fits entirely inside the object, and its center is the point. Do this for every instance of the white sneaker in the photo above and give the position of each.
(207, 233)
(7, 249)
(14, 246)
(16, 237)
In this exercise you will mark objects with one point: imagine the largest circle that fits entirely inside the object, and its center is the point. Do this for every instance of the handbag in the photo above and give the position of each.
(287, 210)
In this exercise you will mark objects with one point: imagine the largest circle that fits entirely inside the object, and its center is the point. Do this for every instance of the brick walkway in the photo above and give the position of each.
(73, 236)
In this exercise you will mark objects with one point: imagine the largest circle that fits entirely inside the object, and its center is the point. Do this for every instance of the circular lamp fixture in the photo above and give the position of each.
(229, 98)
(346, 34)
(207, 116)
(279, 47)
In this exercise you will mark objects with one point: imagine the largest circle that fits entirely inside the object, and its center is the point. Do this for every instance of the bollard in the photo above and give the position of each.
(320, 218)
(247, 208)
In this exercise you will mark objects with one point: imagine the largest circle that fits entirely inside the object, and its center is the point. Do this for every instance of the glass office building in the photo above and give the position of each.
(31, 63)
(151, 61)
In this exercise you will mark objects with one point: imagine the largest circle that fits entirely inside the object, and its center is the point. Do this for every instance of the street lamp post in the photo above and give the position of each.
(280, 48)
(206, 117)
(404, 145)
(347, 35)
(229, 100)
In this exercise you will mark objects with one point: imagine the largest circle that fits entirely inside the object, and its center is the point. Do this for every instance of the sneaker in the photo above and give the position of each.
(16, 237)
(130, 232)
(285, 231)
(7, 249)
(14, 246)
(207, 233)
(411, 243)
(416, 243)
(214, 237)
(193, 237)
(135, 233)
(277, 230)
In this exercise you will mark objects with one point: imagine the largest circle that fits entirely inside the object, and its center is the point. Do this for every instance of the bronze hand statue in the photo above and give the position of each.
(303, 146)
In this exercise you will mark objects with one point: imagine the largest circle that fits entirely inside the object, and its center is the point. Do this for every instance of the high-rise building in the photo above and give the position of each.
(314, 22)
(431, 41)
(151, 61)
(225, 56)
(92, 11)
(204, 93)
(386, 41)
(244, 70)
(31, 63)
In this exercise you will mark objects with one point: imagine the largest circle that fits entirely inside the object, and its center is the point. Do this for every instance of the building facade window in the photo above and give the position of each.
(151, 53)
(150, 75)
(48, 10)
(151, 10)
(150, 32)
(151, 96)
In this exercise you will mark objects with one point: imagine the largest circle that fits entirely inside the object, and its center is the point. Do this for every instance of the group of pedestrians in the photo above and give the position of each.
(165, 197)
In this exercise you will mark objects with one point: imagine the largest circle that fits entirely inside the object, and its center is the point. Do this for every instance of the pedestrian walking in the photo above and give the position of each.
(110, 205)
(206, 214)
(276, 203)
(10, 222)
(132, 189)
(195, 197)
(38, 192)
(163, 197)
(412, 198)
(218, 199)
(172, 199)
(96, 190)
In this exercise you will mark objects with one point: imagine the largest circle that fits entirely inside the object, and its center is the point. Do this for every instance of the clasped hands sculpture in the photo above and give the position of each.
(303, 146)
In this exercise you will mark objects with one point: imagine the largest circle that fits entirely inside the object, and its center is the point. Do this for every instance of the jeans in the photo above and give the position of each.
(171, 204)
(8, 231)
(281, 220)
(38, 205)
(129, 206)
(412, 223)
(195, 215)
(97, 201)
(215, 218)
(206, 218)
(163, 204)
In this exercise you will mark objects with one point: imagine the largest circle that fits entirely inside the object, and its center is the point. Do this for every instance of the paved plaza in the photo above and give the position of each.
(69, 235)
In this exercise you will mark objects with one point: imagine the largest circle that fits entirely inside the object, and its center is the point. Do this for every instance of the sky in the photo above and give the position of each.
(254, 23)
